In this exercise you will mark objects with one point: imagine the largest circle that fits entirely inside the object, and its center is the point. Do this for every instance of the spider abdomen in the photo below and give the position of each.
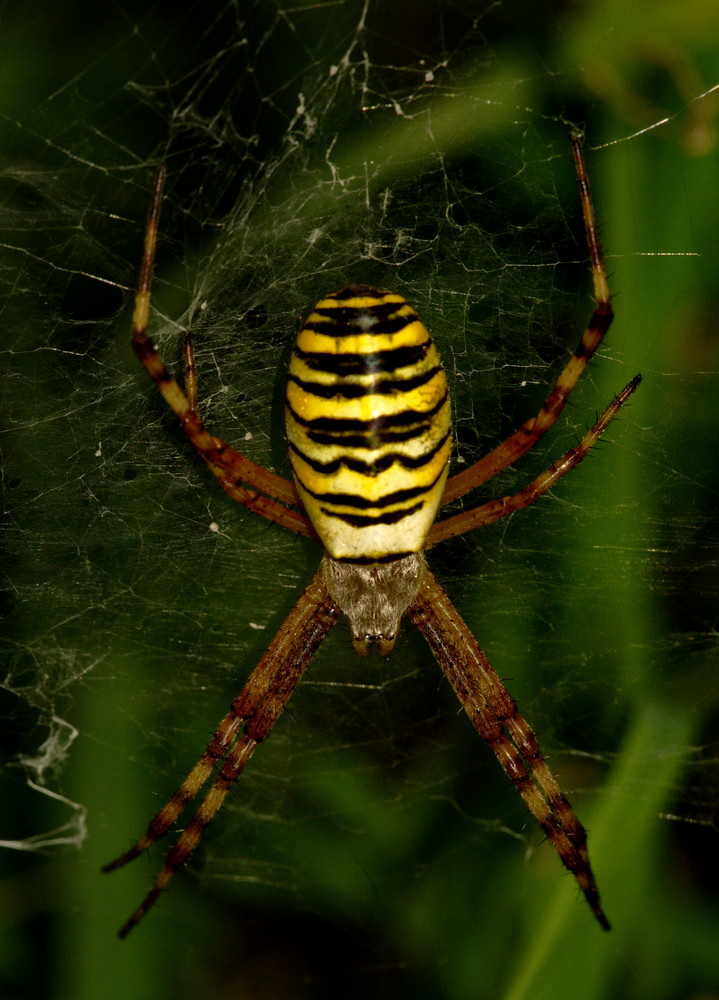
(368, 424)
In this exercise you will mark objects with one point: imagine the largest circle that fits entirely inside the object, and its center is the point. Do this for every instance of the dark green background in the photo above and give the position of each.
(373, 848)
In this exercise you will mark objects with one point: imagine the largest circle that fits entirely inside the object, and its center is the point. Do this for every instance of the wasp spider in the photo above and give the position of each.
(369, 435)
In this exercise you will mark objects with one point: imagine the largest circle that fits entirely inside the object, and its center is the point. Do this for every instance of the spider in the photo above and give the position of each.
(369, 437)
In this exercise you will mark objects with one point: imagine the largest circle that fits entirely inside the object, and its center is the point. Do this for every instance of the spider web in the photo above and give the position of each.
(309, 146)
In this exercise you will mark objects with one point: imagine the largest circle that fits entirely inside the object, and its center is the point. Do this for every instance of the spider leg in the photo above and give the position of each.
(255, 711)
(525, 438)
(268, 495)
(494, 715)
(496, 509)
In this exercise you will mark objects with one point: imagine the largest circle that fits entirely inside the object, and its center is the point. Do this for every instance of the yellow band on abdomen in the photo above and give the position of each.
(368, 424)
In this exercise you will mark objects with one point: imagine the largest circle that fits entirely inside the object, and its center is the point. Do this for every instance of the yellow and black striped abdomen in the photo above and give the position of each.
(368, 424)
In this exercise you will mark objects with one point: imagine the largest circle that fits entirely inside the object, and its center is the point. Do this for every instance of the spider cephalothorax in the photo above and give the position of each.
(374, 596)
(368, 429)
